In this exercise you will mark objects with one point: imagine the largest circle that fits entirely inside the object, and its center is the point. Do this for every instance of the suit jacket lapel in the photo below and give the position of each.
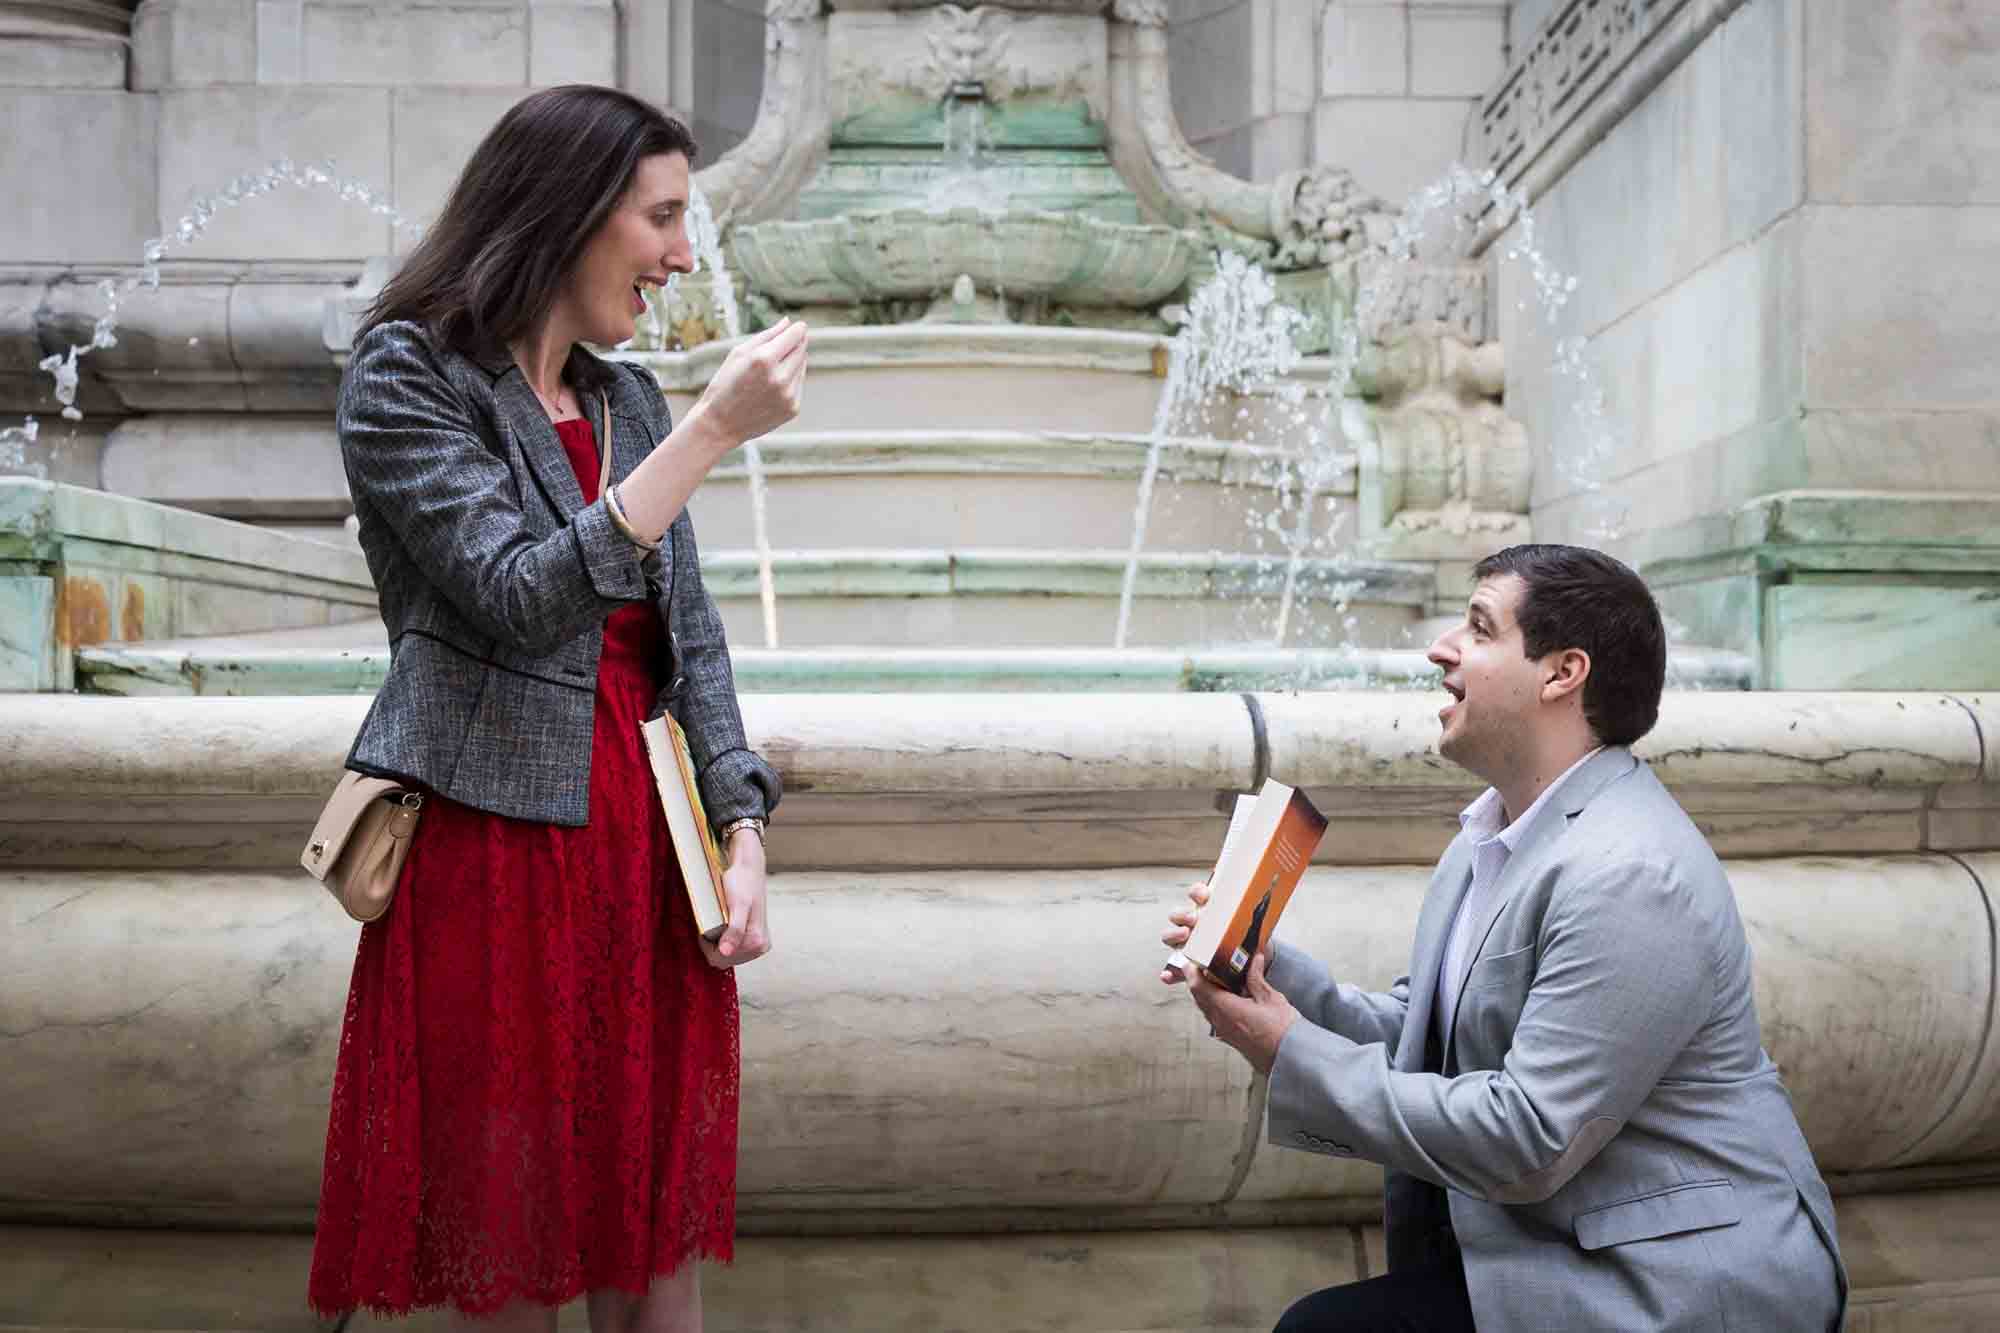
(1538, 840)
(1448, 888)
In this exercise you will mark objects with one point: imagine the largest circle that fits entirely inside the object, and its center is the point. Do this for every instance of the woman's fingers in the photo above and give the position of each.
(791, 335)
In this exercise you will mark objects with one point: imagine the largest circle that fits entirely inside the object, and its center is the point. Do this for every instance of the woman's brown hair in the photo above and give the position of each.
(533, 193)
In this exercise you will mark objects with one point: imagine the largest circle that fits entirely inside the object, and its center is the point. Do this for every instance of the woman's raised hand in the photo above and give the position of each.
(759, 385)
(1182, 922)
(756, 390)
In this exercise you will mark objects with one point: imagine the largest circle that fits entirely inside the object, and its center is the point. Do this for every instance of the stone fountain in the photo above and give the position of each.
(995, 223)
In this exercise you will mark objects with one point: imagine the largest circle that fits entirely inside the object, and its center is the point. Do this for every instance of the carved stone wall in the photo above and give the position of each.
(1587, 65)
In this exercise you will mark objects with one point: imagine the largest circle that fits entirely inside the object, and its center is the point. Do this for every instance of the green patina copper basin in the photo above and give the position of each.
(910, 253)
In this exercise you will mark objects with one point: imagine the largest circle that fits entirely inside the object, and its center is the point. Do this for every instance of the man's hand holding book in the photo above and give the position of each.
(1251, 1024)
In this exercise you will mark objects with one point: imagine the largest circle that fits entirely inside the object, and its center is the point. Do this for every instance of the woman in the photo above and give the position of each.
(536, 1089)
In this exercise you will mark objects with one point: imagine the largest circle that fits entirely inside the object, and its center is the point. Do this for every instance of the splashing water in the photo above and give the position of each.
(62, 367)
(1210, 353)
(706, 238)
(1471, 200)
(1237, 336)
(15, 441)
(966, 183)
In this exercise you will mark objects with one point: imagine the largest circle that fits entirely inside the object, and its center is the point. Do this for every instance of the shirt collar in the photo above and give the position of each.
(1485, 818)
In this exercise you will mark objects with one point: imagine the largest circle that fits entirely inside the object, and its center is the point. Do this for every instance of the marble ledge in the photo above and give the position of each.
(827, 453)
(869, 347)
(987, 1092)
(91, 748)
(939, 572)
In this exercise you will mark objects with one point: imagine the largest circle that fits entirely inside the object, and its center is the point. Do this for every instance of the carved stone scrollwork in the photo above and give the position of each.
(1141, 13)
(1173, 180)
(761, 175)
(1581, 49)
(1322, 215)
(1308, 217)
(1445, 472)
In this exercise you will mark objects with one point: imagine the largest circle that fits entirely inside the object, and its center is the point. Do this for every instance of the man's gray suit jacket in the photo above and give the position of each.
(1615, 1148)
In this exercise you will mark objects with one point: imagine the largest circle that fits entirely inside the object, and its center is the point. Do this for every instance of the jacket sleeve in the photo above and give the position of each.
(414, 456)
(1363, 1017)
(1620, 987)
(735, 781)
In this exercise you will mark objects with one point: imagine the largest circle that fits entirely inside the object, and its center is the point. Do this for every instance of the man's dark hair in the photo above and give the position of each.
(532, 195)
(1579, 598)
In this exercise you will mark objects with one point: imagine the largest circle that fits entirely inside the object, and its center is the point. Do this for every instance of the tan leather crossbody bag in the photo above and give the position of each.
(358, 847)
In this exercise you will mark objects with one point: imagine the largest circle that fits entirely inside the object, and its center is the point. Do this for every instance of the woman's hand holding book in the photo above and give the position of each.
(748, 936)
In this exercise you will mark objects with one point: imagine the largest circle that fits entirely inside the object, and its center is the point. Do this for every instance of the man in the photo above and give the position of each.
(1569, 1091)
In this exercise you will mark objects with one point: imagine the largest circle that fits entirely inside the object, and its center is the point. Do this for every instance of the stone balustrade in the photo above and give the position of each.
(960, 1027)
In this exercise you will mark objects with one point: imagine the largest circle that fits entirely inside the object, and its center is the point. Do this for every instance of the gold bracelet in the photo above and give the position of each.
(751, 822)
(614, 507)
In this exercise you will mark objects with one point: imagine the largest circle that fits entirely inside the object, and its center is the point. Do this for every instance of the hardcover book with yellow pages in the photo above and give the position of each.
(694, 841)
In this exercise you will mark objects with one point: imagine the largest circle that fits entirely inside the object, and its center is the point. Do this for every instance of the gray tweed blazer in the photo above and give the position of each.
(495, 580)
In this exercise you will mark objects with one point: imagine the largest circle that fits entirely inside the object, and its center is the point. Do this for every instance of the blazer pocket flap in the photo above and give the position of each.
(1696, 1207)
(1500, 969)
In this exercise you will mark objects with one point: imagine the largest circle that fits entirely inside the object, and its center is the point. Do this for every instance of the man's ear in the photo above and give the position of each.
(1564, 674)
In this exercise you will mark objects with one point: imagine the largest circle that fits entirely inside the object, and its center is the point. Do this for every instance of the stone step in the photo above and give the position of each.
(353, 659)
(1924, 1262)
(120, 1281)
(993, 488)
(960, 598)
(985, 377)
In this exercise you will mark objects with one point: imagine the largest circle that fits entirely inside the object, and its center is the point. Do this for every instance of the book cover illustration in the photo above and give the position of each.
(1270, 842)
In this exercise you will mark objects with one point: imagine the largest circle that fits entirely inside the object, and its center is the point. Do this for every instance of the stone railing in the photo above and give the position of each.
(960, 1028)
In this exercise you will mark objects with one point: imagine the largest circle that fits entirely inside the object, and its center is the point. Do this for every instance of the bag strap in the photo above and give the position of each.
(604, 448)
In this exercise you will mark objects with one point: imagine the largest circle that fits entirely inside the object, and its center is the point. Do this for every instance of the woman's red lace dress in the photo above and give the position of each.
(536, 1089)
